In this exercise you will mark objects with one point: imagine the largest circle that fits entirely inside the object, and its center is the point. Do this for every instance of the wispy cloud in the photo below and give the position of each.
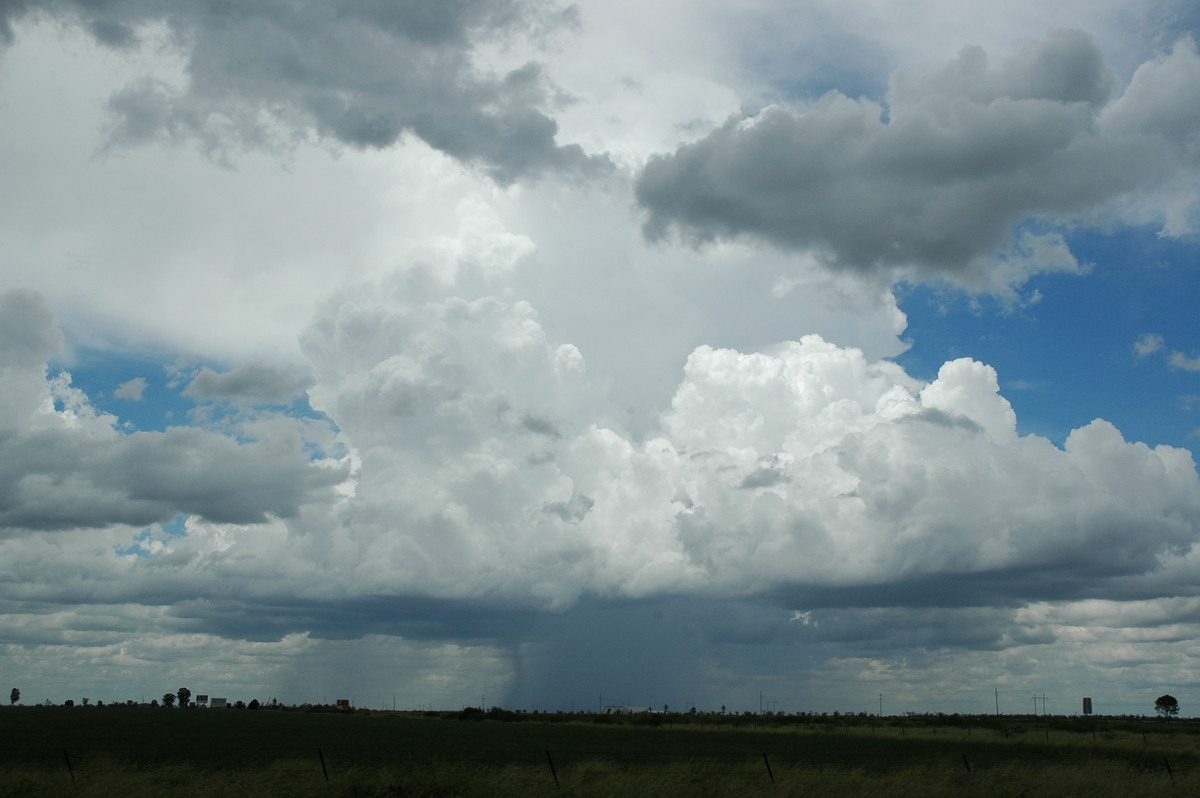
(1148, 344)
(131, 389)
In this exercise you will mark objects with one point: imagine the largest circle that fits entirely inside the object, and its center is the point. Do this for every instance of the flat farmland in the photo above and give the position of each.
(131, 751)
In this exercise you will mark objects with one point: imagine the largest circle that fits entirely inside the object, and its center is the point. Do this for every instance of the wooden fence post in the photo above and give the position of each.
(324, 771)
(553, 770)
(70, 769)
(767, 762)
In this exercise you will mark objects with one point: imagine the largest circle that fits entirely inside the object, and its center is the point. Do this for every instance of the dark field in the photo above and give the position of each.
(131, 751)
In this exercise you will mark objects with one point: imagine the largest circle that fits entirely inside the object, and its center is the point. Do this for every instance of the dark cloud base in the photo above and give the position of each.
(357, 72)
(936, 191)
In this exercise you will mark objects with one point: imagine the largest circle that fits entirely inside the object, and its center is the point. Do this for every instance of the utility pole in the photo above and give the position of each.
(881, 705)
(1035, 705)
(997, 689)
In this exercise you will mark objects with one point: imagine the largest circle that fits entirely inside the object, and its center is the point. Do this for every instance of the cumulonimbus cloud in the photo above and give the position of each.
(802, 477)
(805, 467)
(484, 469)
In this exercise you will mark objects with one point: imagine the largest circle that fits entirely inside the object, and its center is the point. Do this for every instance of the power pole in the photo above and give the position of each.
(997, 689)
(881, 705)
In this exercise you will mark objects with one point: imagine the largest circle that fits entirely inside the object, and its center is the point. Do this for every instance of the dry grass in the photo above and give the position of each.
(600, 779)
(203, 754)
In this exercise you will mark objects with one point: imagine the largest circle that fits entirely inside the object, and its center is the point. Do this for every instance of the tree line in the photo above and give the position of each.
(182, 697)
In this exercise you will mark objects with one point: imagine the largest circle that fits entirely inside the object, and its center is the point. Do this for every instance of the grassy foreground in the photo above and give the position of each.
(129, 752)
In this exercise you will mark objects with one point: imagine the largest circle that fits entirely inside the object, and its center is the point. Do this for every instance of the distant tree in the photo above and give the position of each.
(1166, 706)
(722, 709)
(14, 696)
(253, 704)
(86, 700)
(153, 702)
(70, 702)
(185, 696)
(168, 700)
(239, 704)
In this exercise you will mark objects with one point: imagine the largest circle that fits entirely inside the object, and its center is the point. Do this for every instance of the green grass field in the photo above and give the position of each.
(127, 751)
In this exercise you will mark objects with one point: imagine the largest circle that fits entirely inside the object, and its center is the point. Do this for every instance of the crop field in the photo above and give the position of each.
(132, 751)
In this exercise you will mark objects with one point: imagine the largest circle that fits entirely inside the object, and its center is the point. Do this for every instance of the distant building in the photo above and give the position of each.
(218, 703)
(624, 710)
(1087, 706)
(202, 700)
(343, 703)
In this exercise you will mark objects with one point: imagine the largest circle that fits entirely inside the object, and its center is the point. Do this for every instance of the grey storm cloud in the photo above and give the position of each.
(414, 617)
(362, 73)
(63, 480)
(937, 182)
(28, 334)
(64, 466)
(253, 382)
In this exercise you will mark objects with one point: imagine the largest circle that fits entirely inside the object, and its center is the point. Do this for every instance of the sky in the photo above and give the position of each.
(810, 355)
